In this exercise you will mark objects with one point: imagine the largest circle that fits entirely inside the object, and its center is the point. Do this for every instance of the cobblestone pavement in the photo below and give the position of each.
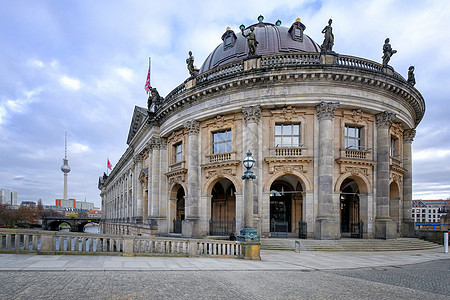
(429, 280)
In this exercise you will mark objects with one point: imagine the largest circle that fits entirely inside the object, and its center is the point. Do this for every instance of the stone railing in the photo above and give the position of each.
(285, 151)
(177, 166)
(222, 71)
(291, 59)
(355, 153)
(217, 157)
(44, 242)
(355, 62)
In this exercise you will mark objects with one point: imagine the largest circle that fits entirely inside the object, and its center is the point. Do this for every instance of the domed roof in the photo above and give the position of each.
(272, 39)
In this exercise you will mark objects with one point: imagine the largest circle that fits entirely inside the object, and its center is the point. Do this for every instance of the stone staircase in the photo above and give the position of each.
(349, 245)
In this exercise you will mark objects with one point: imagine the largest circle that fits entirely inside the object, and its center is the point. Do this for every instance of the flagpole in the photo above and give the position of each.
(149, 69)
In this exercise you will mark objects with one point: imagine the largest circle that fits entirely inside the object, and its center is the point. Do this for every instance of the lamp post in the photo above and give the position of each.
(248, 235)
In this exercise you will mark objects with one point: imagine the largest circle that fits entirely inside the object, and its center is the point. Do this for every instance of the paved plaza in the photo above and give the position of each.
(279, 275)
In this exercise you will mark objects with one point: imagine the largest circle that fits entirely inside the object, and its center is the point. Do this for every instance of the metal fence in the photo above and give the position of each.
(222, 228)
(177, 226)
(279, 229)
(302, 230)
(357, 230)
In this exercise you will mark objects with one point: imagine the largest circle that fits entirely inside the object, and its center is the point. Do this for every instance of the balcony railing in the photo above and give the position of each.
(286, 151)
(356, 153)
(218, 157)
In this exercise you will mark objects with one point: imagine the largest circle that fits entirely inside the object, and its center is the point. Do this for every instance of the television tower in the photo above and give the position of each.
(65, 168)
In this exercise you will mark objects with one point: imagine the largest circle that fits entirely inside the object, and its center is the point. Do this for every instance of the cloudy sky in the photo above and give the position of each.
(80, 66)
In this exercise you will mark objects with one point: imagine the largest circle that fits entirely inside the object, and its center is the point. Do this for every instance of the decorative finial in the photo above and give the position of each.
(260, 18)
(278, 22)
(298, 20)
(228, 28)
(242, 27)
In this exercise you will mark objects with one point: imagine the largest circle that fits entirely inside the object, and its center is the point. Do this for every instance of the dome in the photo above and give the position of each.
(272, 39)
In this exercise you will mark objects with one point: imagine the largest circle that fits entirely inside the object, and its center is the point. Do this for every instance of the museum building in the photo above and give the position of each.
(330, 134)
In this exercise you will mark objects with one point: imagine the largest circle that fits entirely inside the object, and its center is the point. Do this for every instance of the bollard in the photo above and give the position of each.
(446, 242)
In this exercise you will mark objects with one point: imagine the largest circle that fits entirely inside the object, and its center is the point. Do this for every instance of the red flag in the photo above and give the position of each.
(109, 165)
(147, 83)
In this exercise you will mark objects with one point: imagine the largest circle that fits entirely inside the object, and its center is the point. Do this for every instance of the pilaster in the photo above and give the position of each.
(385, 228)
(327, 226)
(190, 225)
(155, 145)
(408, 222)
(251, 116)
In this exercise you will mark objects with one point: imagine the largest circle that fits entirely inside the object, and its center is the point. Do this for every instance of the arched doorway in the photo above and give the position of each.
(395, 204)
(349, 209)
(223, 208)
(286, 206)
(177, 207)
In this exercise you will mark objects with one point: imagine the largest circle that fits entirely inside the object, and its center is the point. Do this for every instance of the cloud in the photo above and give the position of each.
(19, 105)
(70, 83)
(431, 154)
(79, 148)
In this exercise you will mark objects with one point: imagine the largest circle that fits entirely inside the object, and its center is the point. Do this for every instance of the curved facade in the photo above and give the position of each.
(331, 136)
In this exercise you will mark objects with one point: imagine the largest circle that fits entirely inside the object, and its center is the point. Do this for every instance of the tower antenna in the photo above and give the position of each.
(65, 147)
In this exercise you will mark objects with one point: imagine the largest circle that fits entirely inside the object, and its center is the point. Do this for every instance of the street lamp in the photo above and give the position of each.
(248, 236)
(249, 162)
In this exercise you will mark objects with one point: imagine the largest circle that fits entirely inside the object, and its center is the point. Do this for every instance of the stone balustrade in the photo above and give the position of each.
(224, 156)
(47, 242)
(355, 153)
(286, 151)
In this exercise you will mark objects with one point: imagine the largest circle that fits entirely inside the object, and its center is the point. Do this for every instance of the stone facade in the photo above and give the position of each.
(332, 144)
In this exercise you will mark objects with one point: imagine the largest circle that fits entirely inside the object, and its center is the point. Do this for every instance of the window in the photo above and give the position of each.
(287, 135)
(222, 141)
(394, 151)
(178, 150)
(353, 137)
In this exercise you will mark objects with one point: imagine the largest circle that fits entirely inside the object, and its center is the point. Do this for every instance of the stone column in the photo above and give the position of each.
(384, 226)
(155, 143)
(327, 226)
(137, 188)
(408, 221)
(163, 222)
(190, 224)
(252, 115)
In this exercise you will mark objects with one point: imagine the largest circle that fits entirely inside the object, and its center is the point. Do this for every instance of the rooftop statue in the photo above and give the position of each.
(153, 99)
(190, 65)
(387, 52)
(411, 77)
(328, 41)
(251, 40)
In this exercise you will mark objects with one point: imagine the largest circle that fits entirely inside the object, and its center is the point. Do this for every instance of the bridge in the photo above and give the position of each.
(76, 224)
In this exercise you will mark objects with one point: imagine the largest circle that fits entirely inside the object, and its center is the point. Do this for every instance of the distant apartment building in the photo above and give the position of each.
(72, 203)
(8, 197)
(429, 211)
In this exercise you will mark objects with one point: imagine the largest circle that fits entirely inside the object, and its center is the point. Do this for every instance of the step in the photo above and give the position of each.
(351, 245)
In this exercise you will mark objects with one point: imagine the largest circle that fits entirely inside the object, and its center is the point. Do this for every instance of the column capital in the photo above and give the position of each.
(163, 144)
(251, 114)
(137, 159)
(384, 119)
(325, 110)
(155, 143)
(408, 135)
(192, 126)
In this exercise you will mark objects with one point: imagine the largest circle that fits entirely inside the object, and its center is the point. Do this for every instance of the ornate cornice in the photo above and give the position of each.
(384, 119)
(251, 114)
(408, 135)
(325, 110)
(192, 126)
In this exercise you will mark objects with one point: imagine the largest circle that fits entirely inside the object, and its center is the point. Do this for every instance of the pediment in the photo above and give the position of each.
(137, 122)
